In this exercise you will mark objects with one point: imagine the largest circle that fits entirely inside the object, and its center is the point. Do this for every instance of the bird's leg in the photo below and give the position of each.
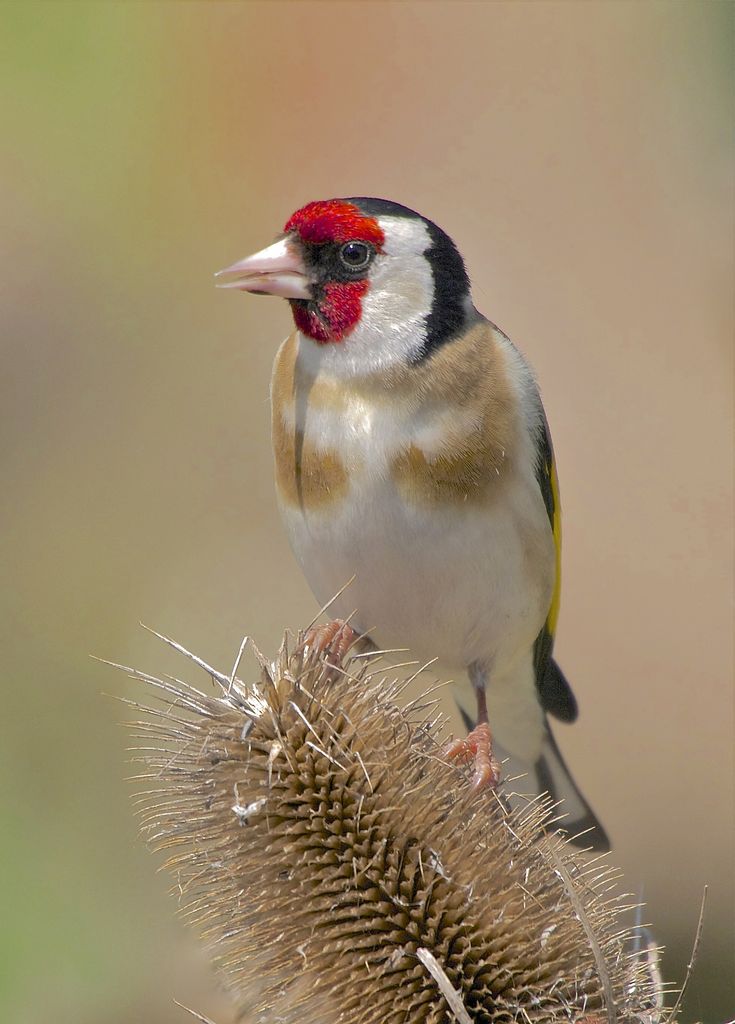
(332, 641)
(478, 744)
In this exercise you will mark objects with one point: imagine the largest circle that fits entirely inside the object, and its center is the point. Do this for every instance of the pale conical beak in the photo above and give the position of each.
(277, 270)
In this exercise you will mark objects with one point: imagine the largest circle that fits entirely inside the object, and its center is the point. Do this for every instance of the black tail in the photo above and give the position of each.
(578, 818)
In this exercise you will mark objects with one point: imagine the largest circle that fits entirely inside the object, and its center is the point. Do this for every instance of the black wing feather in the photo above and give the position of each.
(554, 691)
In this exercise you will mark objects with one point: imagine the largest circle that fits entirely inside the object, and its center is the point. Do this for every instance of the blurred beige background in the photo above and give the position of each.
(581, 156)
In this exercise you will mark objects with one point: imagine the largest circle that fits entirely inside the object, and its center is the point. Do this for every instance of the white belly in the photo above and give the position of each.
(463, 583)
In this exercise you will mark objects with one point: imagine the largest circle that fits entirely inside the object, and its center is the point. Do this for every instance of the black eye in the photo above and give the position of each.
(356, 255)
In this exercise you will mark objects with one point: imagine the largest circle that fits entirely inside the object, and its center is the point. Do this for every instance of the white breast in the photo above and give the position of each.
(460, 582)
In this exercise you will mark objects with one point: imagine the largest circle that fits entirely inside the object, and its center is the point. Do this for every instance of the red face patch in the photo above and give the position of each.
(338, 308)
(335, 315)
(334, 220)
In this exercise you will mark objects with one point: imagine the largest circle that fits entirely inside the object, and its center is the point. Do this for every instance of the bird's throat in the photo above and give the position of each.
(331, 316)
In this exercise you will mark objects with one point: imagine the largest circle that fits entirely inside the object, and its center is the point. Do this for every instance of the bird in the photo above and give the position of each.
(413, 456)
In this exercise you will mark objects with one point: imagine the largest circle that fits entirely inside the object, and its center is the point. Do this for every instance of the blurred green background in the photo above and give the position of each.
(580, 155)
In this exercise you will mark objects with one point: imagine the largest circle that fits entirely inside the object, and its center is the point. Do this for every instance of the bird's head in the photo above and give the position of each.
(369, 279)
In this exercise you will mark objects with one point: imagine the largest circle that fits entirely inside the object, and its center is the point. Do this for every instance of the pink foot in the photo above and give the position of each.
(332, 641)
(477, 745)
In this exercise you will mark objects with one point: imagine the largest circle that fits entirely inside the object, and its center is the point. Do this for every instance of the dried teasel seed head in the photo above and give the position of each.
(342, 873)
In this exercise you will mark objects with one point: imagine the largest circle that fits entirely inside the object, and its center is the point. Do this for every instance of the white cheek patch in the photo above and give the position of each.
(392, 328)
(404, 236)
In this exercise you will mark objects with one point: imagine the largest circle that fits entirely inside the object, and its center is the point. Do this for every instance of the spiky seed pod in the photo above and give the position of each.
(342, 873)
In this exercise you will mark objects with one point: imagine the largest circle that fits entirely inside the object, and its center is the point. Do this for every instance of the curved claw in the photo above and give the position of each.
(333, 641)
(477, 746)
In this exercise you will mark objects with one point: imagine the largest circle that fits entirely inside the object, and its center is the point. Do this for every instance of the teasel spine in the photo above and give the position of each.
(340, 871)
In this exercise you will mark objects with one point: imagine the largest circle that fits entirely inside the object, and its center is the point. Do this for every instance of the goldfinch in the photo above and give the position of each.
(412, 453)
